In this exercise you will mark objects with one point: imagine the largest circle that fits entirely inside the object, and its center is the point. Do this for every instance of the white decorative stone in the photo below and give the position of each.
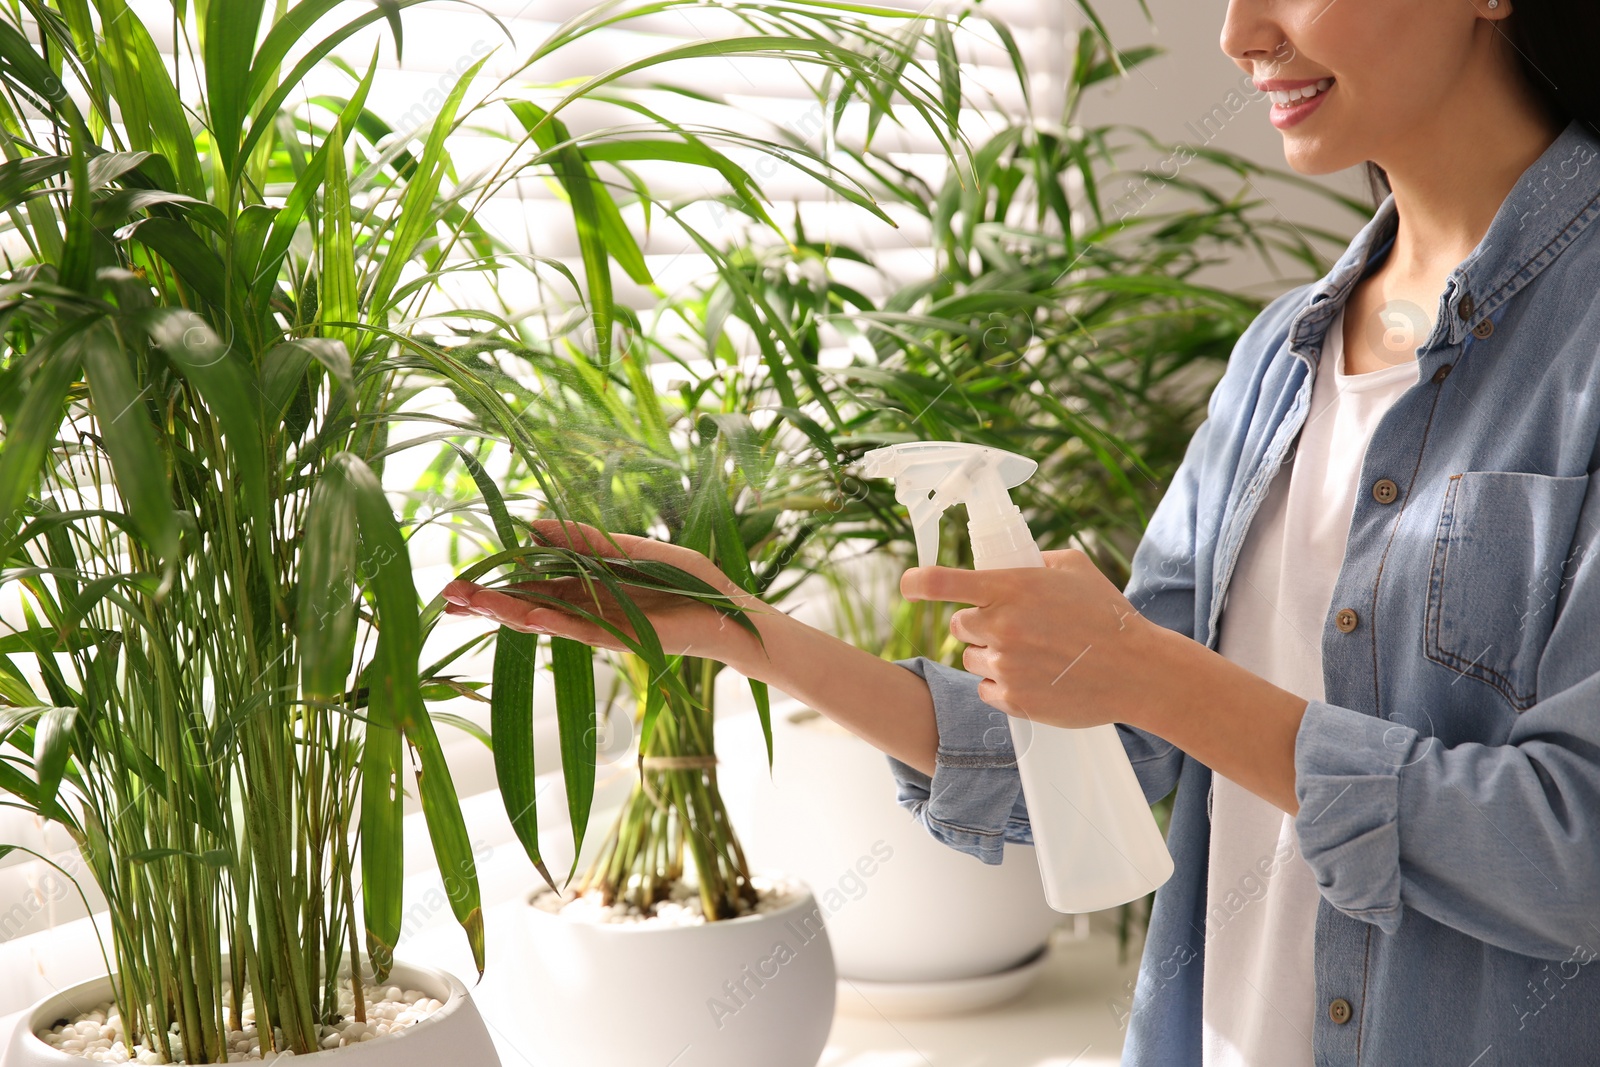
(98, 1040)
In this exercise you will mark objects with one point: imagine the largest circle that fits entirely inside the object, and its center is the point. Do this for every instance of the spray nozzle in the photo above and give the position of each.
(929, 476)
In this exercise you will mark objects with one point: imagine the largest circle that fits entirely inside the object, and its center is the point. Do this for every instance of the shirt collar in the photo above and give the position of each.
(1550, 204)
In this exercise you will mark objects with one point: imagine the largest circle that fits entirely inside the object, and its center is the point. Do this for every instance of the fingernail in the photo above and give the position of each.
(457, 599)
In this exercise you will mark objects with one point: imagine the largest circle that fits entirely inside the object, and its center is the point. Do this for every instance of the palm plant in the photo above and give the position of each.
(213, 321)
(746, 459)
(699, 468)
(198, 390)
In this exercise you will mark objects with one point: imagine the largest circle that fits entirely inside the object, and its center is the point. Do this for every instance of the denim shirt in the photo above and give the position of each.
(1449, 784)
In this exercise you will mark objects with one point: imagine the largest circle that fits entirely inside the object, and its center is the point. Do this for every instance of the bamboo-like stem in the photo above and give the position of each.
(674, 811)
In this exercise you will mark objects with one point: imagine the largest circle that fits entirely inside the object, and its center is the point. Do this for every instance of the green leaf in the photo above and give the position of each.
(466, 726)
(230, 38)
(111, 209)
(758, 691)
(12, 719)
(503, 526)
(283, 367)
(576, 178)
(52, 747)
(191, 259)
(14, 688)
(730, 553)
(396, 706)
(291, 32)
(150, 855)
(123, 419)
(326, 614)
(223, 378)
(511, 723)
(340, 301)
(573, 665)
(944, 48)
(616, 236)
(416, 216)
(21, 177)
(152, 114)
(382, 842)
(77, 256)
(447, 829)
(25, 66)
(31, 434)
(302, 197)
(690, 152)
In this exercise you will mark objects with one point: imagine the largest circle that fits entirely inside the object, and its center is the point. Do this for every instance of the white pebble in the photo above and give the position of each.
(96, 1036)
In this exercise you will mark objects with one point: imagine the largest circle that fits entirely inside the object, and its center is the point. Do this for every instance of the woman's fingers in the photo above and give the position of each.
(560, 624)
(503, 608)
(519, 613)
(955, 584)
(968, 626)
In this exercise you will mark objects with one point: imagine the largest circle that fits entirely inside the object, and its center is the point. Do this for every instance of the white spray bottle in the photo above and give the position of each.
(1097, 843)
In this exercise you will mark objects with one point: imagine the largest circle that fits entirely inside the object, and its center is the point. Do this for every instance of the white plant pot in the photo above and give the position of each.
(901, 907)
(454, 1034)
(756, 990)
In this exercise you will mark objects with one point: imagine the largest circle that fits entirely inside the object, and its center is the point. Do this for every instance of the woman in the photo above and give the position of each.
(1387, 761)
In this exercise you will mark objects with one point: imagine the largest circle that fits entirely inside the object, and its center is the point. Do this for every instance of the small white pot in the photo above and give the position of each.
(455, 1034)
(901, 906)
(756, 991)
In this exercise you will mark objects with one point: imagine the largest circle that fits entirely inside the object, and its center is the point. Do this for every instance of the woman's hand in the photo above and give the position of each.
(887, 705)
(685, 626)
(1060, 645)
(1063, 646)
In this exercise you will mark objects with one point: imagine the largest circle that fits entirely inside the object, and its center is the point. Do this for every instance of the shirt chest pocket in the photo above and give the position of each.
(1500, 557)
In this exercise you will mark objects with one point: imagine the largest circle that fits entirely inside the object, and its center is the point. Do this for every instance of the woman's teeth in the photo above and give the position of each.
(1290, 97)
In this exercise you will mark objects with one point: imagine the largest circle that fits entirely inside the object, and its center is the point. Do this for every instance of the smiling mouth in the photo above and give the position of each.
(1288, 98)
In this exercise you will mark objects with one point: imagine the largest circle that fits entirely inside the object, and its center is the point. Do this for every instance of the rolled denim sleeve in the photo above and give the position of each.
(973, 802)
(1499, 841)
(1347, 783)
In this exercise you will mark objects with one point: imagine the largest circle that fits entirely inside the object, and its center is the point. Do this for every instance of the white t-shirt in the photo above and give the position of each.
(1258, 1003)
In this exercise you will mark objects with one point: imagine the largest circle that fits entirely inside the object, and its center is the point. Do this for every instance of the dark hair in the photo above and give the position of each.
(1554, 41)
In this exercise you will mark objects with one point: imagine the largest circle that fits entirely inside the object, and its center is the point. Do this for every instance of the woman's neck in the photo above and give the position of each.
(1450, 179)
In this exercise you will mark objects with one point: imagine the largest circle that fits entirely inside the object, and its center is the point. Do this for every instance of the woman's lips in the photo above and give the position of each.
(1283, 116)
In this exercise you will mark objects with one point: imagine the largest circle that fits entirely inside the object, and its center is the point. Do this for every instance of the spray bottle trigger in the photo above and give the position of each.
(927, 532)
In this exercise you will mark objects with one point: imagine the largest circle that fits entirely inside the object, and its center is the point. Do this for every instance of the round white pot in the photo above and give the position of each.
(454, 1034)
(901, 907)
(756, 990)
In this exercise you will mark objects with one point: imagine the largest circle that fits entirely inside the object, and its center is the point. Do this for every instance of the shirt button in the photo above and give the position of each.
(1345, 620)
(1339, 1010)
(1483, 329)
(1442, 373)
(1384, 491)
(1464, 308)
